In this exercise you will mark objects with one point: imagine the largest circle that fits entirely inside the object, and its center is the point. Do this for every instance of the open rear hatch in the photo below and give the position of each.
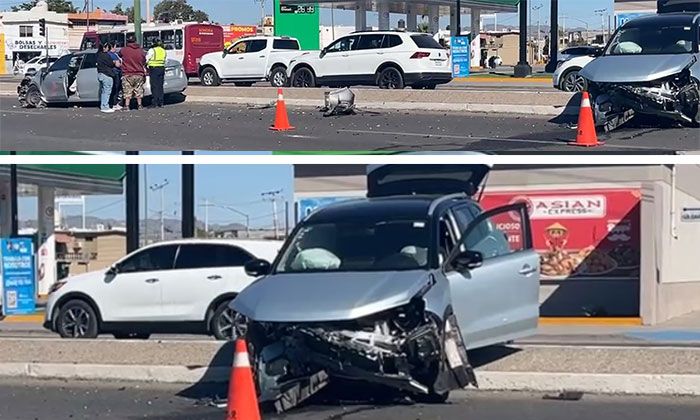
(431, 179)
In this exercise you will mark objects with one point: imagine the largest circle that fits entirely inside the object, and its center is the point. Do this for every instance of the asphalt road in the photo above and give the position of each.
(58, 400)
(185, 126)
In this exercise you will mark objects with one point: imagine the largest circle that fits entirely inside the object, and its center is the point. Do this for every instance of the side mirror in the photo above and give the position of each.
(468, 260)
(224, 53)
(323, 53)
(257, 268)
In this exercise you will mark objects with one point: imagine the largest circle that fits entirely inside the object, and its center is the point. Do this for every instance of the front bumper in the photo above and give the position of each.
(428, 78)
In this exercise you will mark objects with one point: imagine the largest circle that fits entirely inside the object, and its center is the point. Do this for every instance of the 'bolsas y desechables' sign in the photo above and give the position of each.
(18, 276)
(460, 56)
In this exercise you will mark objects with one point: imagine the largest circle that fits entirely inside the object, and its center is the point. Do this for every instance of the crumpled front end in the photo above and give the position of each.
(674, 98)
(407, 349)
(22, 90)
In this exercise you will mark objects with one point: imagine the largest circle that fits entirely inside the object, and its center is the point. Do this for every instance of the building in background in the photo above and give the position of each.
(82, 250)
(86, 21)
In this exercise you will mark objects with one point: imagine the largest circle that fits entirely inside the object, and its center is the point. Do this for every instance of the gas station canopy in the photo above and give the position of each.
(419, 6)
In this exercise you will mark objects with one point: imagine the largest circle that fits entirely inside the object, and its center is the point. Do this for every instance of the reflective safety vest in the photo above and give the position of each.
(158, 59)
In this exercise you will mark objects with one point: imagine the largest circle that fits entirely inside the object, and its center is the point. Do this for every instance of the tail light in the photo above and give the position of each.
(189, 60)
(420, 54)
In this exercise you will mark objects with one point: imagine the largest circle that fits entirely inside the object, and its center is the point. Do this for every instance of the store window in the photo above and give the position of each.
(26, 31)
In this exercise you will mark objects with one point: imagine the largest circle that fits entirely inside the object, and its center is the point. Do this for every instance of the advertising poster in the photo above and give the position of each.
(18, 276)
(233, 33)
(578, 233)
(622, 18)
(459, 48)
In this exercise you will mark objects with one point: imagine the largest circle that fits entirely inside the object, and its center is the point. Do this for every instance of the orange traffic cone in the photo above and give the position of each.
(242, 397)
(587, 136)
(281, 120)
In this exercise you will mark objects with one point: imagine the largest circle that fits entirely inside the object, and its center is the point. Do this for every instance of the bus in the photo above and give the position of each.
(184, 42)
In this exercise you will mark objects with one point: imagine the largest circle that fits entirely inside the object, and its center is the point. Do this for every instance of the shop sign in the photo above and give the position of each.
(459, 49)
(233, 33)
(690, 215)
(592, 234)
(306, 206)
(297, 9)
(18, 276)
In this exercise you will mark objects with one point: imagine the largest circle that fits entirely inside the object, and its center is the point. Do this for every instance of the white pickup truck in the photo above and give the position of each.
(250, 60)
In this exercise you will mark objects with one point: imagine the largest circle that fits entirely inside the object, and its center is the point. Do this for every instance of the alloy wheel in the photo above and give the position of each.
(574, 82)
(227, 324)
(76, 322)
(302, 78)
(208, 79)
(279, 79)
(390, 79)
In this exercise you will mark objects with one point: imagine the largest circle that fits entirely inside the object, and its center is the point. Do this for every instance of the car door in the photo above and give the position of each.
(255, 61)
(87, 84)
(233, 63)
(335, 61)
(205, 271)
(498, 300)
(133, 290)
(369, 55)
(54, 83)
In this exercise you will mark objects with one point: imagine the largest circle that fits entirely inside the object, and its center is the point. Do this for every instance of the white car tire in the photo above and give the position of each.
(210, 77)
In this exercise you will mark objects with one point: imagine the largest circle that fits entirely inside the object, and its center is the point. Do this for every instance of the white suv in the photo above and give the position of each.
(176, 286)
(388, 59)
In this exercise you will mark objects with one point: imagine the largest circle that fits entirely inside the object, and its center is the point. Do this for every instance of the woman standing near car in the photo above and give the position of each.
(105, 76)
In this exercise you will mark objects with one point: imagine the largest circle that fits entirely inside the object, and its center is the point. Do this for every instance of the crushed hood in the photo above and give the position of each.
(333, 296)
(635, 68)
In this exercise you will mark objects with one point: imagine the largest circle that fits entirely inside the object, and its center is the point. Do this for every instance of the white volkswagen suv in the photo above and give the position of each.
(388, 59)
(180, 286)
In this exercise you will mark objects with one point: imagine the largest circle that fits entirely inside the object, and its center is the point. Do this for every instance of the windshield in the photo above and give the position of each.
(656, 40)
(357, 246)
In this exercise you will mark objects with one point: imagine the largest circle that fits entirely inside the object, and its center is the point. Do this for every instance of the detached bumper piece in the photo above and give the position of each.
(675, 98)
(420, 360)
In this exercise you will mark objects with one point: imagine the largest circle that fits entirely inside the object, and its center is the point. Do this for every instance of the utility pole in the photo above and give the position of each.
(145, 204)
(333, 20)
(161, 187)
(231, 209)
(137, 22)
(148, 11)
(601, 13)
(537, 8)
(272, 196)
(262, 12)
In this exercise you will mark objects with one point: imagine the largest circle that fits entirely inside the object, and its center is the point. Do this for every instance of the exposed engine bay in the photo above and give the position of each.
(406, 349)
(676, 98)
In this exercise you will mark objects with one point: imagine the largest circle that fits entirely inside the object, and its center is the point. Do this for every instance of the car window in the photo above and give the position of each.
(150, 38)
(211, 255)
(447, 239)
(257, 45)
(62, 63)
(285, 44)
(391, 41)
(426, 41)
(150, 259)
(502, 233)
(364, 244)
(90, 61)
(172, 40)
(656, 40)
(343, 44)
(370, 42)
(239, 47)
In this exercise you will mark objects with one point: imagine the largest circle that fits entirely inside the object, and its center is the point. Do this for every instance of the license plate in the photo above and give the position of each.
(438, 63)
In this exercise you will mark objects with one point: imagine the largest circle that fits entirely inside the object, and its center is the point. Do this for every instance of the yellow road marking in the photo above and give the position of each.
(24, 318)
(628, 322)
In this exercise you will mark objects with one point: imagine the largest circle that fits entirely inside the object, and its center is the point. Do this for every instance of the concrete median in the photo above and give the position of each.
(615, 370)
(471, 101)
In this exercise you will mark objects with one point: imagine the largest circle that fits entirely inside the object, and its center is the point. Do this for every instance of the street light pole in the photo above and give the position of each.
(537, 8)
(137, 22)
(272, 196)
(161, 187)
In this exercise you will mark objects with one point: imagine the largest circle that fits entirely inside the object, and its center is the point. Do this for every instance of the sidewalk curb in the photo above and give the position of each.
(639, 384)
(545, 110)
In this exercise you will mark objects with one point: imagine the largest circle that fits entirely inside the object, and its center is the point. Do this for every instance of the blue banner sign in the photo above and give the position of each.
(622, 18)
(18, 276)
(461, 56)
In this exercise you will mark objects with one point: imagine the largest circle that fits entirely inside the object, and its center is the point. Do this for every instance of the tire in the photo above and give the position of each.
(244, 84)
(430, 86)
(131, 336)
(210, 77)
(33, 98)
(77, 319)
(222, 325)
(303, 77)
(278, 77)
(390, 78)
(571, 81)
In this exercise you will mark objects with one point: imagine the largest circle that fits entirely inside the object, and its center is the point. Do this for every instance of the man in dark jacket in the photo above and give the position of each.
(133, 71)
(105, 76)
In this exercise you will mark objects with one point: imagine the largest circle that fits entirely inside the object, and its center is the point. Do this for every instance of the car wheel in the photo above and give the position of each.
(34, 99)
(278, 77)
(132, 336)
(572, 81)
(77, 319)
(224, 323)
(209, 77)
(390, 78)
(303, 77)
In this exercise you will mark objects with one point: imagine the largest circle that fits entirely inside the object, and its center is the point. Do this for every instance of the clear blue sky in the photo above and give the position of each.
(238, 186)
(248, 12)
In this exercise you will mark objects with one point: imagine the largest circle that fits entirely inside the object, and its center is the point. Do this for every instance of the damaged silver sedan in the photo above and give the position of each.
(650, 67)
(392, 289)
